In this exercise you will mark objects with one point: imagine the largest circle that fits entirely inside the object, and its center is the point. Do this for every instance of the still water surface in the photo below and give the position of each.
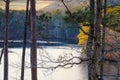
(78, 72)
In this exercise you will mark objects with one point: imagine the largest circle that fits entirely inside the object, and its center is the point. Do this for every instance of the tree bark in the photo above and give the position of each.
(2, 51)
(6, 40)
(33, 41)
(118, 67)
(103, 42)
(97, 39)
(90, 38)
(24, 41)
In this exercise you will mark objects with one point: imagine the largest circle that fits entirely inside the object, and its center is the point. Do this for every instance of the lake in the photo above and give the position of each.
(77, 72)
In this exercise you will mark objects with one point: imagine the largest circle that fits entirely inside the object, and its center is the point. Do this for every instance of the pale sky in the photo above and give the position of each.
(45, 5)
(19, 5)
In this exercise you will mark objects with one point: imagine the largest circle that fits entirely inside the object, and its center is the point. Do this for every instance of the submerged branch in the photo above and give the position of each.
(65, 63)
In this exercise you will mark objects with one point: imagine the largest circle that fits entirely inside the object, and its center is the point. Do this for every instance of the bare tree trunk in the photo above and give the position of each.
(2, 51)
(97, 39)
(6, 41)
(118, 67)
(103, 42)
(90, 38)
(24, 41)
(33, 41)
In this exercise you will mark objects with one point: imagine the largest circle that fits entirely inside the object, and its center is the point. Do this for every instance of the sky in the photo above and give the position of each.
(44, 5)
(20, 4)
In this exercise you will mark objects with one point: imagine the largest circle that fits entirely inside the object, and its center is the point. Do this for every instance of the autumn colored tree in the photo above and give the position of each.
(81, 36)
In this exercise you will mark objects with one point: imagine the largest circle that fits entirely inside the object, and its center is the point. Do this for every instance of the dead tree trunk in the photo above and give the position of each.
(24, 41)
(6, 40)
(103, 41)
(33, 41)
(90, 38)
(2, 51)
(97, 39)
(118, 67)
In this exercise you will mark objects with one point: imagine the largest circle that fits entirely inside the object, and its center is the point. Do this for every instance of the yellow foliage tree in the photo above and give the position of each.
(115, 10)
(110, 10)
(81, 36)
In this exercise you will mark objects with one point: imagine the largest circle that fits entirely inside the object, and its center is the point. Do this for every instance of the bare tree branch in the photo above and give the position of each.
(70, 13)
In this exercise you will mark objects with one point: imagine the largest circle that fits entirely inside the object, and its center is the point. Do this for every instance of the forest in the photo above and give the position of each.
(69, 40)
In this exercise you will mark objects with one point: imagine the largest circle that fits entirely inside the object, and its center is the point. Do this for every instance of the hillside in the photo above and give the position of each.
(112, 44)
